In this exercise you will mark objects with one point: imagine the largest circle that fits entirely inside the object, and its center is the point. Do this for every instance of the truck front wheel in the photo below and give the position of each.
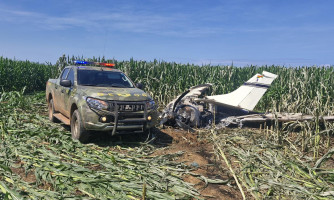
(77, 130)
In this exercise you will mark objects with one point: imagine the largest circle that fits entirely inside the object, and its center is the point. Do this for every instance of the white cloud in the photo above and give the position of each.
(125, 21)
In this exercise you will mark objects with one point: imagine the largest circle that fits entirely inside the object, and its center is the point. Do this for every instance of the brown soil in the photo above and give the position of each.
(199, 154)
(25, 176)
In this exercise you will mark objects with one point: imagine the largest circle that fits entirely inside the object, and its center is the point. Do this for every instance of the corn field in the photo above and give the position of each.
(16, 75)
(63, 168)
(269, 170)
(291, 161)
(293, 91)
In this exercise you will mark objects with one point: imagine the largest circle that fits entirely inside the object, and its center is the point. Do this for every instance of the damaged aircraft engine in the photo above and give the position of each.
(194, 109)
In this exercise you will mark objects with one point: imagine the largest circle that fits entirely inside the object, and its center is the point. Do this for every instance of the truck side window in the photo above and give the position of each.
(71, 76)
(64, 74)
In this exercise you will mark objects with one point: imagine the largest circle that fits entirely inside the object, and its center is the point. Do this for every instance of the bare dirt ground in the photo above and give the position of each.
(199, 154)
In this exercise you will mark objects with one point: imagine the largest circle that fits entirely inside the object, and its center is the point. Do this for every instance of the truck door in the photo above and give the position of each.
(57, 100)
(68, 93)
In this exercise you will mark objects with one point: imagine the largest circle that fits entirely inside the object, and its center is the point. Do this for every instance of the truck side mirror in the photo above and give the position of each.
(139, 85)
(65, 83)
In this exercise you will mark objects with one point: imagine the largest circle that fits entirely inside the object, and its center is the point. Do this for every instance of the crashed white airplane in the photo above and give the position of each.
(194, 109)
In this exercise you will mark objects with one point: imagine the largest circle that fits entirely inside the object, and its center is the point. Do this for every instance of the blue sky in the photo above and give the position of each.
(258, 32)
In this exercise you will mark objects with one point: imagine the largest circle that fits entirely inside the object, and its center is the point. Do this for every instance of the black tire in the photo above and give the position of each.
(51, 110)
(77, 130)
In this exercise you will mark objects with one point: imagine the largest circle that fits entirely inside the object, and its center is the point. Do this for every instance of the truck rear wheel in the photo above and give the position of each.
(77, 130)
(51, 110)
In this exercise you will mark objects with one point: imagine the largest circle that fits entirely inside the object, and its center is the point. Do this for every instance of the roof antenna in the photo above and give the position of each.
(105, 41)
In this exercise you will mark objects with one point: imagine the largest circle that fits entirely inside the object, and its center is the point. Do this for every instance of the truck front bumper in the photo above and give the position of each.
(118, 121)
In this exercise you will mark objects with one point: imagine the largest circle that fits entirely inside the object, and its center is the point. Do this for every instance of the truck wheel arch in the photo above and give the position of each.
(51, 111)
(73, 108)
(49, 97)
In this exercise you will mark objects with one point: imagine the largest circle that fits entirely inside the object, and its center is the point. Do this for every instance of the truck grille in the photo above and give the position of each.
(124, 106)
(128, 113)
(131, 113)
(131, 107)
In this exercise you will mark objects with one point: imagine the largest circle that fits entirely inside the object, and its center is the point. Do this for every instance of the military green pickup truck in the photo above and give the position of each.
(97, 97)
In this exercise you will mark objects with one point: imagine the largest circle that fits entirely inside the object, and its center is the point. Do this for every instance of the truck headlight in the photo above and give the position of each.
(97, 104)
(150, 105)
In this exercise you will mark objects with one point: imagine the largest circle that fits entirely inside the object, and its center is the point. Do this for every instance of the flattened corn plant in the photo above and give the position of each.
(39, 160)
(269, 170)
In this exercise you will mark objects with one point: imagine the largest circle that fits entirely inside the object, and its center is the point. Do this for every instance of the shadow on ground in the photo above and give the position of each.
(154, 137)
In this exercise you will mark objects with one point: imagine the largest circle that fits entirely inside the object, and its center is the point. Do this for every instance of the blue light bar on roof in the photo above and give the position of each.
(81, 62)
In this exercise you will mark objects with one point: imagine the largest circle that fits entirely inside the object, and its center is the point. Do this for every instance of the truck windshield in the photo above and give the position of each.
(103, 79)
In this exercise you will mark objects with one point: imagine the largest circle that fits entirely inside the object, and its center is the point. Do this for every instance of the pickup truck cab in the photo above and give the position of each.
(99, 98)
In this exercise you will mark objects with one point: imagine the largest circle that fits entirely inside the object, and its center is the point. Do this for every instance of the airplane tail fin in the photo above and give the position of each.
(247, 95)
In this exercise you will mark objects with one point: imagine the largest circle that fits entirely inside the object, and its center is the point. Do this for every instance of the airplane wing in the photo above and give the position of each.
(246, 96)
